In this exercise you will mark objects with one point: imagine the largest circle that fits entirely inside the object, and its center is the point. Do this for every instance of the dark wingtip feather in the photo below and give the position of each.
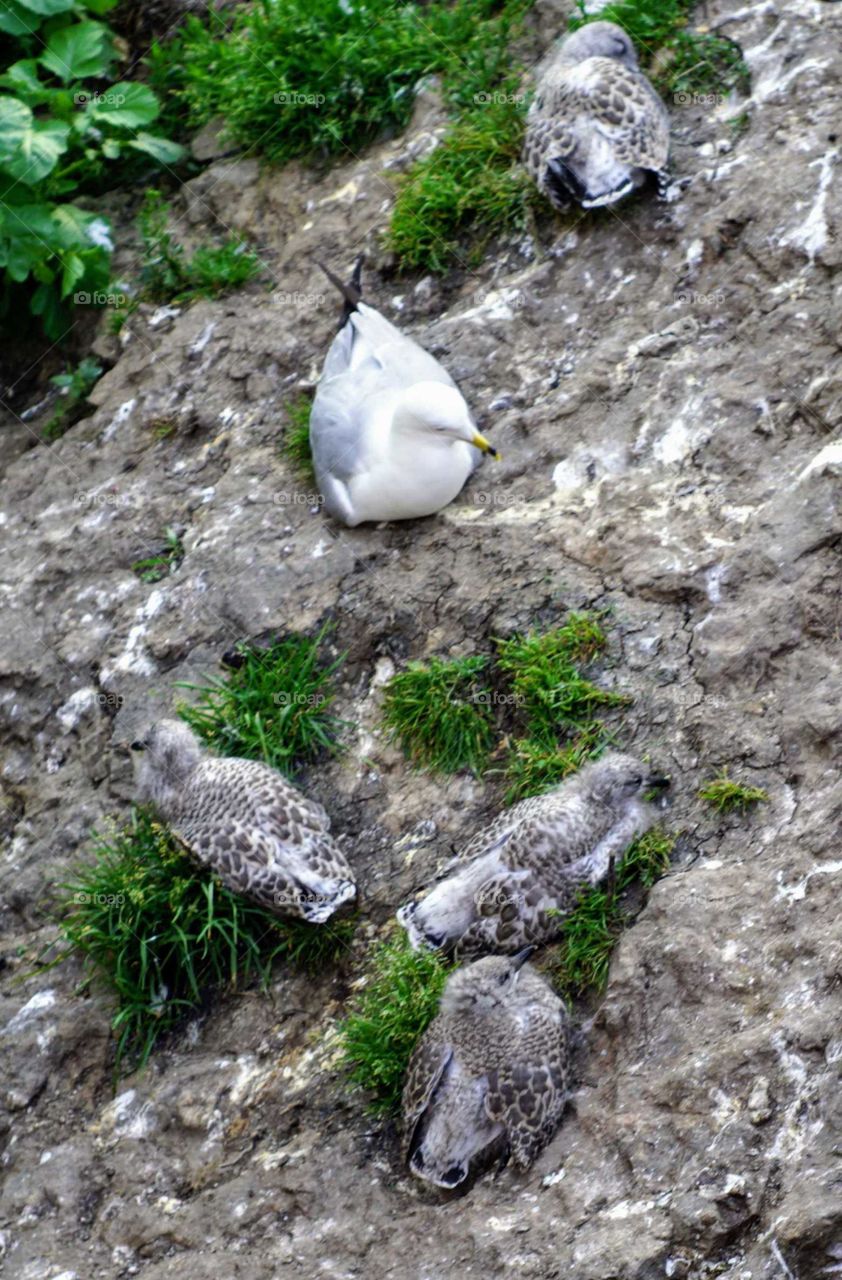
(562, 184)
(351, 292)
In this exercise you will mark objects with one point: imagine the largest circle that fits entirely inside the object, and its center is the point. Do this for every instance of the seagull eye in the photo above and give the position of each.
(138, 746)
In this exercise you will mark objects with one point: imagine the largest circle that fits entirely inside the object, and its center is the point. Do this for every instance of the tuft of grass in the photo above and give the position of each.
(533, 767)
(397, 1004)
(121, 312)
(74, 386)
(703, 65)
(590, 932)
(439, 712)
(317, 78)
(738, 124)
(546, 682)
(725, 795)
(469, 189)
(273, 706)
(443, 712)
(164, 562)
(472, 186)
(169, 275)
(679, 60)
(295, 442)
(162, 933)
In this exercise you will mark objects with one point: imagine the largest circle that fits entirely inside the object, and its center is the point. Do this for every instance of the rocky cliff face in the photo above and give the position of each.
(664, 383)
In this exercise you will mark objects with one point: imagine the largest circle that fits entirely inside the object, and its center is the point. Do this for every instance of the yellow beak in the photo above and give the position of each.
(485, 446)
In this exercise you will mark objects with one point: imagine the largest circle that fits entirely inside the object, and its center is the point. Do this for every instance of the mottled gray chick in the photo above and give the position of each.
(596, 126)
(490, 1073)
(518, 877)
(258, 832)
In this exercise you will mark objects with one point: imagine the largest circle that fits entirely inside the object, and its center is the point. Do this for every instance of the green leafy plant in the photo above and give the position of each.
(589, 934)
(546, 682)
(469, 189)
(164, 426)
(702, 65)
(738, 124)
(679, 60)
(162, 933)
(533, 767)
(316, 78)
(472, 186)
(272, 706)
(440, 713)
(398, 1002)
(168, 274)
(725, 795)
(444, 713)
(295, 442)
(555, 702)
(64, 126)
(164, 562)
(74, 386)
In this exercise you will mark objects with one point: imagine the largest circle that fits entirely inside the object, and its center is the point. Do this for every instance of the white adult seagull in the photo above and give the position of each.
(391, 434)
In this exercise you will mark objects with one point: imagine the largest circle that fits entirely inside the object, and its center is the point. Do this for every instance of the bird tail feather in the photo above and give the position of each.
(608, 197)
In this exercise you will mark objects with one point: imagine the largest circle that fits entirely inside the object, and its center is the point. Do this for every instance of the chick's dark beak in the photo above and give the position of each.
(138, 746)
(658, 781)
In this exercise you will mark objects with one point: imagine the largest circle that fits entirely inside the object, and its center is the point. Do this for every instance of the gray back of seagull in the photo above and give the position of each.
(369, 364)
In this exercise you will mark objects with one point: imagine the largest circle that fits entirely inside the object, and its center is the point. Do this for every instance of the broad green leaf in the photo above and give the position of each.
(100, 6)
(46, 8)
(30, 220)
(22, 78)
(129, 105)
(39, 151)
(61, 103)
(162, 149)
(55, 318)
(72, 226)
(15, 20)
(79, 51)
(21, 256)
(39, 300)
(80, 123)
(80, 230)
(43, 272)
(15, 123)
(65, 186)
(73, 270)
